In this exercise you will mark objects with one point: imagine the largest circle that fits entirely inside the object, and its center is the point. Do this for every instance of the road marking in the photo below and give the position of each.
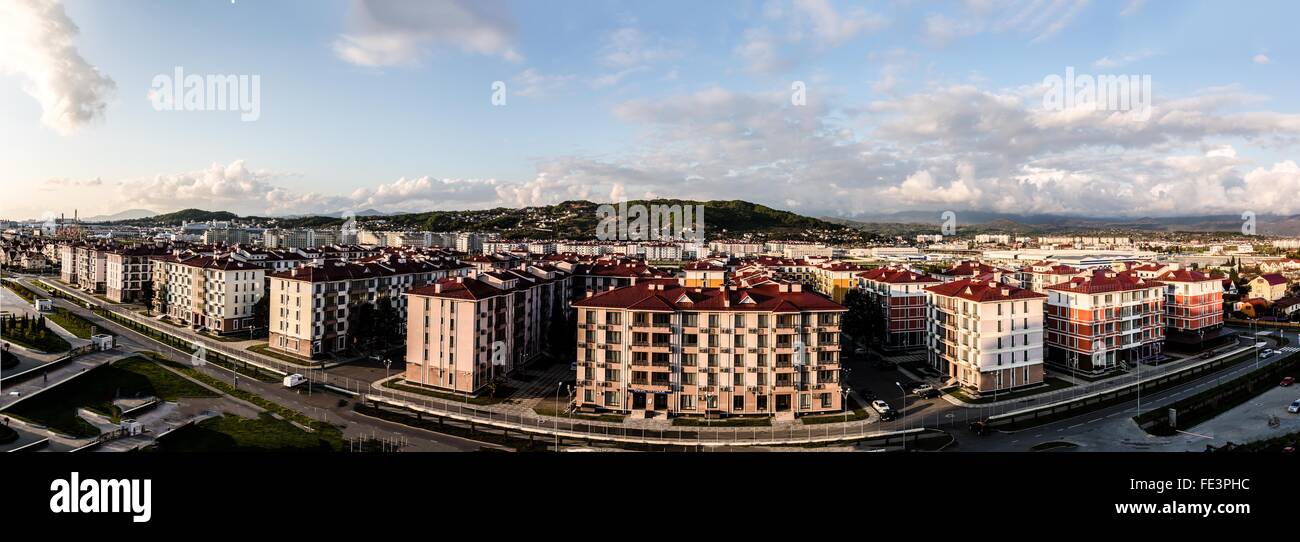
(1096, 420)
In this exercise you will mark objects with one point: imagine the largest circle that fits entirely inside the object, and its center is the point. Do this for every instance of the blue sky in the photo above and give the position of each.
(909, 105)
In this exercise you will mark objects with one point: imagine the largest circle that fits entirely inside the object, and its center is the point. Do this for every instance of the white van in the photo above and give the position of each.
(294, 380)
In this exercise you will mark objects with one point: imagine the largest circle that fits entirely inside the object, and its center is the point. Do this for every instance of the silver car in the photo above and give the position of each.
(1295, 407)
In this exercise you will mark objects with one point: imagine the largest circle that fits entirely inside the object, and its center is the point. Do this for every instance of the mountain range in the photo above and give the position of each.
(577, 219)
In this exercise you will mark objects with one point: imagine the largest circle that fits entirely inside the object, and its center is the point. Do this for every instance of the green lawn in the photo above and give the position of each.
(75, 324)
(326, 431)
(133, 377)
(33, 334)
(21, 290)
(230, 433)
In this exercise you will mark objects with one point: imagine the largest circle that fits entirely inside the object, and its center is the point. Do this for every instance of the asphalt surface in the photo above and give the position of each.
(318, 405)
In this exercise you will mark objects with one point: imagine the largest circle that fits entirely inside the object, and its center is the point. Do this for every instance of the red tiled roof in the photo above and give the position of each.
(1102, 281)
(665, 296)
(1274, 279)
(1185, 275)
(983, 291)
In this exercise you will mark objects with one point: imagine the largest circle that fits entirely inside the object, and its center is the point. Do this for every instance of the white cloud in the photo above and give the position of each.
(1040, 20)
(1132, 8)
(777, 47)
(629, 46)
(611, 79)
(1261, 59)
(36, 42)
(533, 83)
(1122, 60)
(393, 33)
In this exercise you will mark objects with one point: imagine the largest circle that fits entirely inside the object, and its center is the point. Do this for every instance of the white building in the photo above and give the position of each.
(985, 335)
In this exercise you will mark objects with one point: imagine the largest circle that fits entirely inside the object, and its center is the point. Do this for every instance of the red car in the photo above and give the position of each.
(1288, 381)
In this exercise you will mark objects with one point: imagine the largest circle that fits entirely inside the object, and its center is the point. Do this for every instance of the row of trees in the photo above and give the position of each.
(32, 333)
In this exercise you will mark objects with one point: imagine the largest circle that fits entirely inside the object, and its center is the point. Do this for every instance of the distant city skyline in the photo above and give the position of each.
(818, 107)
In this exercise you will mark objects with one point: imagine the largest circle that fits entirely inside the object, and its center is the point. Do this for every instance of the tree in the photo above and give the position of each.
(858, 321)
(146, 292)
(162, 300)
(377, 327)
(262, 313)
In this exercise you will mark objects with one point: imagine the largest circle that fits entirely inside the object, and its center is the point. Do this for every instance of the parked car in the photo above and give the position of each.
(925, 391)
(1267, 352)
(881, 406)
(979, 428)
(1288, 381)
(294, 380)
(889, 415)
(861, 351)
(1295, 406)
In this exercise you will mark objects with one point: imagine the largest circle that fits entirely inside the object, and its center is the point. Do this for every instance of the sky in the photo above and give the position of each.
(820, 107)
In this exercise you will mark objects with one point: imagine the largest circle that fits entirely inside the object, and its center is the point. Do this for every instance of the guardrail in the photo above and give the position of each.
(551, 426)
(1063, 409)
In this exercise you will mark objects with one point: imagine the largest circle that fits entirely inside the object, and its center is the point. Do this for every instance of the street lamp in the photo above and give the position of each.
(902, 410)
(845, 392)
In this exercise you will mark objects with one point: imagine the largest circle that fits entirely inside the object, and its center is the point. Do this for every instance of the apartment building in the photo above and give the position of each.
(313, 308)
(1039, 275)
(738, 249)
(1100, 322)
(128, 273)
(213, 292)
(985, 335)
(1193, 301)
(835, 279)
(660, 347)
(1270, 287)
(705, 274)
(968, 270)
(464, 332)
(897, 297)
(590, 276)
(92, 268)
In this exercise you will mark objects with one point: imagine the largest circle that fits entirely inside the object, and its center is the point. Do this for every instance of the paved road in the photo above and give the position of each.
(933, 413)
(318, 405)
(940, 414)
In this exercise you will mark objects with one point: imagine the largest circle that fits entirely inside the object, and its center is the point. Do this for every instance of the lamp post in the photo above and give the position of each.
(902, 410)
(845, 392)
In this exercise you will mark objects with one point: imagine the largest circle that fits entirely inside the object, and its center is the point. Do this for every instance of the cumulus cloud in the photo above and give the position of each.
(381, 33)
(239, 188)
(958, 147)
(36, 42)
(1261, 59)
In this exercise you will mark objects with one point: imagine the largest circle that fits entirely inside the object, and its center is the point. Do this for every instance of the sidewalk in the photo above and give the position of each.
(1083, 387)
